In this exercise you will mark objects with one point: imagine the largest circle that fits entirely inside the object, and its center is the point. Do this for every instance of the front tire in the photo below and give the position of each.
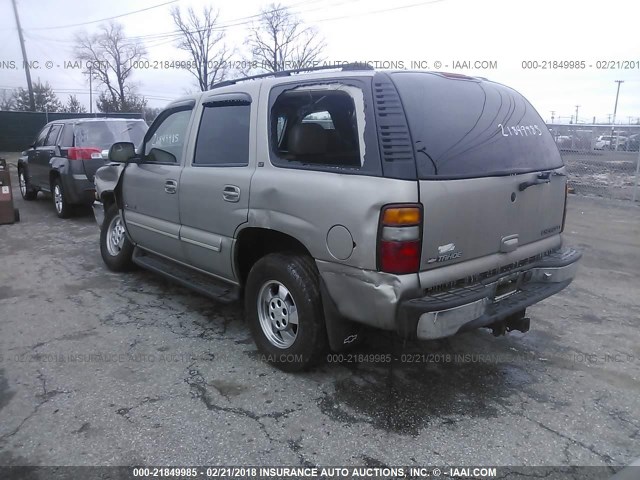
(63, 209)
(26, 190)
(284, 311)
(115, 247)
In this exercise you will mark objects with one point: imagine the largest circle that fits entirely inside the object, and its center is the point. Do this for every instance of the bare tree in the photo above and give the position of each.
(279, 40)
(112, 58)
(201, 39)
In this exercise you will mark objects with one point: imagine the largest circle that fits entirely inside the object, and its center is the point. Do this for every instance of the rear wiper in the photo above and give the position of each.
(543, 177)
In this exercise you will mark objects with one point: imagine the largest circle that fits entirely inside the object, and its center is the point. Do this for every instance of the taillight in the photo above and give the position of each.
(83, 153)
(564, 214)
(400, 238)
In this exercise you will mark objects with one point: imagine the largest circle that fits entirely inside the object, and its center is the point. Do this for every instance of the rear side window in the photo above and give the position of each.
(464, 128)
(316, 127)
(66, 140)
(223, 136)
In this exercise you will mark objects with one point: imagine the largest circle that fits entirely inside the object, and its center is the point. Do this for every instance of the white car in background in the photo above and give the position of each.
(608, 142)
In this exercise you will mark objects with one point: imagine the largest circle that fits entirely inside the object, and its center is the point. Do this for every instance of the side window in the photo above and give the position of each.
(167, 140)
(42, 136)
(53, 135)
(316, 128)
(223, 136)
(66, 140)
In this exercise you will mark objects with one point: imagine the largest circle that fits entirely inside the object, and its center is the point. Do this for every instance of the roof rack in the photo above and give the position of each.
(286, 73)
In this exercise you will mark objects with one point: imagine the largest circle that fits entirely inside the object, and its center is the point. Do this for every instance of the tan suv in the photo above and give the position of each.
(419, 202)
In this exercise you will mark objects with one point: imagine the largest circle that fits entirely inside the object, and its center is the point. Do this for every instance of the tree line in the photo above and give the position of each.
(275, 39)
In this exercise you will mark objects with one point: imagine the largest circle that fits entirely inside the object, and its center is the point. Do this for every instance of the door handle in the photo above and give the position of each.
(231, 193)
(171, 186)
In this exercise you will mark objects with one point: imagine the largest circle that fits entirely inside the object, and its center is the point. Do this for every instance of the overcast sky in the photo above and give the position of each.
(446, 31)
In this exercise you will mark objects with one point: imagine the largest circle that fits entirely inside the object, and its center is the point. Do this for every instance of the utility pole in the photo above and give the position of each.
(25, 61)
(577, 106)
(615, 109)
(553, 114)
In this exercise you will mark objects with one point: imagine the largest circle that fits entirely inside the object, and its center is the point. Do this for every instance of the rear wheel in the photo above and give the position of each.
(26, 190)
(63, 209)
(115, 247)
(284, 311)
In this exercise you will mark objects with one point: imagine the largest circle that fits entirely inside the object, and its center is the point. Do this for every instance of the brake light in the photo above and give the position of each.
(83, 153)
(400, 238)
(564, 213)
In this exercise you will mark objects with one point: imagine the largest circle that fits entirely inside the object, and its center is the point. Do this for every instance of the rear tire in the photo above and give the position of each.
(63, 209)
(284, 310)
(115, 247)
(26, 190)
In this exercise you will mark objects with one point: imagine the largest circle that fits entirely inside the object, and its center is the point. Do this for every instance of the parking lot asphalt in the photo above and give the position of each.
(98, 368)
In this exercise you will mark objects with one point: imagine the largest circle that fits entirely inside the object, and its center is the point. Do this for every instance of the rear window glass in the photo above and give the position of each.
(467, 128)
(104, 134)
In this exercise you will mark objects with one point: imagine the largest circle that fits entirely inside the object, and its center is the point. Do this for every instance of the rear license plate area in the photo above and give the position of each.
(506, 287)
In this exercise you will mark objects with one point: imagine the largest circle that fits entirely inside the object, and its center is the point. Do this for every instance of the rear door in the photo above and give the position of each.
(36, 168)
(48, 151)
(214, 186)
(150, 188)
(490, 175)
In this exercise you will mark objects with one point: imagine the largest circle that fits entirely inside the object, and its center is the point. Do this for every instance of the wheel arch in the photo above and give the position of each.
(253, 243)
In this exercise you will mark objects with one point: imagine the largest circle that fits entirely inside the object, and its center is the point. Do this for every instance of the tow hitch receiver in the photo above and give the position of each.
(517, 321)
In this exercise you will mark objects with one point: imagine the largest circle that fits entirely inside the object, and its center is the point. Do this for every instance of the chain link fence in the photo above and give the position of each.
(602, 160)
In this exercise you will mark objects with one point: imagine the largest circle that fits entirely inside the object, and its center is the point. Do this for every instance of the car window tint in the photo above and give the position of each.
(466, 128)
(223, 136)
(53, 135)
(168, 137)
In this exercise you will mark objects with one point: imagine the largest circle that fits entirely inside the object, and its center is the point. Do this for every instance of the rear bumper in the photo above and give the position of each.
(78, 189)
(447, 313)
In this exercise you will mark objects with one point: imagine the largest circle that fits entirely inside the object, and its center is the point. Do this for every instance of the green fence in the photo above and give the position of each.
(19, 129)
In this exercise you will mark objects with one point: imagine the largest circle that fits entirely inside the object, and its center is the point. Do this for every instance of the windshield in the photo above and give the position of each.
(472, 128)
(104, 134)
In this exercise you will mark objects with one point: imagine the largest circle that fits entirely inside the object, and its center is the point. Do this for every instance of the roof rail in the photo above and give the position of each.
(286, 73)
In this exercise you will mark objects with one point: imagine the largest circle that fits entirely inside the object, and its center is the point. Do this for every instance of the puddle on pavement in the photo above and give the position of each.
(405, 396)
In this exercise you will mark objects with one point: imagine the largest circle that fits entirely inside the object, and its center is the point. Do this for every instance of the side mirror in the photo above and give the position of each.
(122, 152)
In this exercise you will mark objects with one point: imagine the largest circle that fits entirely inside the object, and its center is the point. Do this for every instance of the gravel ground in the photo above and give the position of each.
(98, 368)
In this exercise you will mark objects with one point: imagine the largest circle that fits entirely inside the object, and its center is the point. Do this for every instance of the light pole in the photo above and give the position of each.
(615, 109)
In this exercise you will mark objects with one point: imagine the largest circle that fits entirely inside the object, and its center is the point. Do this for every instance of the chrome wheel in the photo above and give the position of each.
(115, 236)
(278, 314)
(23, 184)
(57, 198)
